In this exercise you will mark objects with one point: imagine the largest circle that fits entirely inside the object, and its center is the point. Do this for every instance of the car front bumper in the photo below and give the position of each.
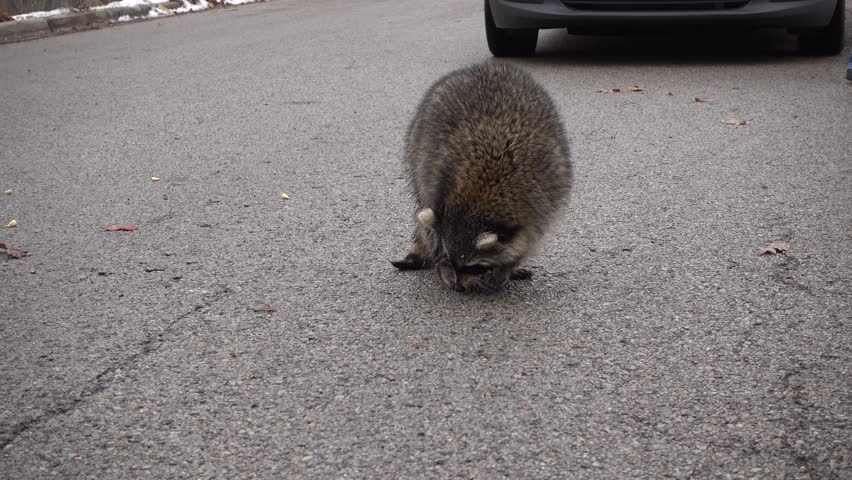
(755, 13)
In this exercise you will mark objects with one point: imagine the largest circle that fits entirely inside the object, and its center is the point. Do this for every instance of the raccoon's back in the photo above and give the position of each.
(487, 140)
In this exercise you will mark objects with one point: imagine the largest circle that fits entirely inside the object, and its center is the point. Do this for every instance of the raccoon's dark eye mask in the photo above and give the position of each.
(474, 270)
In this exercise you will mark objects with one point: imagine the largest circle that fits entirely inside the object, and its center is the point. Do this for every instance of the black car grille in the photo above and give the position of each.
(653, 5)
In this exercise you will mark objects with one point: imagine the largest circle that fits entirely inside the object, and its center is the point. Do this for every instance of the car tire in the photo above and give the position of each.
(827, 40)
(505, 42)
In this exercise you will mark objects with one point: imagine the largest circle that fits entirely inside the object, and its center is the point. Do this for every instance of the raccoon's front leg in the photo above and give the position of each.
(521, 273)
(417, 258)
(424, 250)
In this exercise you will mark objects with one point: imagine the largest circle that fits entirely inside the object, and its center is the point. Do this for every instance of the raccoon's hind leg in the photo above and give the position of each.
(521, 273)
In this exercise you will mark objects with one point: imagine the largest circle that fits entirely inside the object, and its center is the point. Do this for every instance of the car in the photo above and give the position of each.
(511, 26)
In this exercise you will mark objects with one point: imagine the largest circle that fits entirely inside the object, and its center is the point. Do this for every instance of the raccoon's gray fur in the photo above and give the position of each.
(489, 169)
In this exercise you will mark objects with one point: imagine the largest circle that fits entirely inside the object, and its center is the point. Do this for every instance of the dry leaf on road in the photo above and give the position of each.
(775, 247)
(284, 196)
(736, 121)
(8, 192)
(125, 228)
(155, 179)
(634, 88)
(12, 224)
(11, 252)
(703, 100)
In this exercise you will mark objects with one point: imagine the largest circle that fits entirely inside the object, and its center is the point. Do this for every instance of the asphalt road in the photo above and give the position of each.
(653, 342)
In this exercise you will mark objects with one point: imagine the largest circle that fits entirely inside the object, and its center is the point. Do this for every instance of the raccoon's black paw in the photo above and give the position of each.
(410, 262)
(521, 273)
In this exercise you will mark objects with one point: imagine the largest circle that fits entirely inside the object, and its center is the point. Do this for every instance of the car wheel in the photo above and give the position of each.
(505, 42)
(827, 40)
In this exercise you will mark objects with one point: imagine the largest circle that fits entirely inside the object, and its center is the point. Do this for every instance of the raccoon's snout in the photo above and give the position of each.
(495, 280)
(473, 277)
(454, 278)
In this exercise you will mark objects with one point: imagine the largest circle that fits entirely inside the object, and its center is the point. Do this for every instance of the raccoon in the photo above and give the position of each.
(489, 169)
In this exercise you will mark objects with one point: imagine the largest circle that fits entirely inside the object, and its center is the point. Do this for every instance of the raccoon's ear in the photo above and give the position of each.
(486, 240)
(426, 217)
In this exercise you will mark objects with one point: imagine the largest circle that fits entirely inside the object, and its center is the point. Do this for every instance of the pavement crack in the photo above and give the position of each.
(103, 380)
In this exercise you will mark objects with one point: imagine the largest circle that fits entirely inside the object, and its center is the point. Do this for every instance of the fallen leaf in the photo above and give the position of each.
(285, 196)
(8, 192)
(736, 121)
(634, 88)
(155, 179)
(703, 100)
(615, 90)
(263, 309)
(154, 269)
(10, 252)
(775, 247)
(127, 228)
(12, 224)
(33, 270)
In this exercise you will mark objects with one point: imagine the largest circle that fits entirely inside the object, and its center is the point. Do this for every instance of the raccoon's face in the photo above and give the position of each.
(475, 254)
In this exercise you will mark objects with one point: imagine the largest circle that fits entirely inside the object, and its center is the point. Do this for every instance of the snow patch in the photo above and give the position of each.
(58, 11)
(128, 3)
(189, 7)
(156, 11)
(160, 12)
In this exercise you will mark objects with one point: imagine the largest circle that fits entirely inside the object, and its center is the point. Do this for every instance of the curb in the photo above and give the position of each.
(41, 27)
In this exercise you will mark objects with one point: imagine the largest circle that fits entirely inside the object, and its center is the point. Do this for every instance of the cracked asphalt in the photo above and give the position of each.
(653, 342)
